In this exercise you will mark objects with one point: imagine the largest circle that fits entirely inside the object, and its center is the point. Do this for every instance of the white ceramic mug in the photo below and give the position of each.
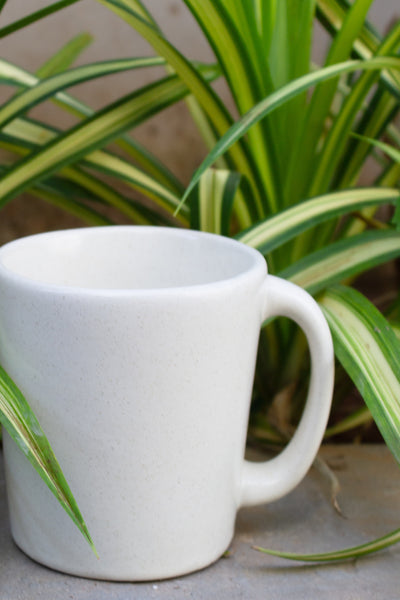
(136, 348)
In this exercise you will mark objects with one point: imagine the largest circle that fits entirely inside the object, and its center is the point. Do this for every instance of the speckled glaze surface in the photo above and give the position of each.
(136, 347)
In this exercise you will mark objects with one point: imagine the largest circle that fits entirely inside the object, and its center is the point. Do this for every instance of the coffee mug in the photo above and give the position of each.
(136, 348)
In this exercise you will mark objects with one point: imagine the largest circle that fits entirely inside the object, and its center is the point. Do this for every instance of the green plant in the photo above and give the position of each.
(285, 177)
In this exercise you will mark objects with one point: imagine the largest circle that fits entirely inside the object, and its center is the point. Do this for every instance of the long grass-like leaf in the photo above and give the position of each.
(129, 11)
(277, 230)
(24, 428)
(368, 349)
(212, 201)
(135, 150)
(111, 164)
(232, 51)
(290, 58)
(332, 150)
(93, 133)
(357, 551)
(65, 56)
(378, 115)
(22, 135)
(387, 148)
(394, 154)
(67, 195)
(343, 259)
(36, 16)
(218, 114)
(332, 14)
(391, 176)
(302, 164)
(47, 87)
(358, 418)
(272, 102)
(67, 203)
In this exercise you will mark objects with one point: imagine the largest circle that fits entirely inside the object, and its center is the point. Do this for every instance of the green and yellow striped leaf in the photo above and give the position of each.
(375, 122)
(301, 168)
(344, 259)
(22, 135)
(394, 154)
(355, 552)
(21, 424)
(212, 201)
(46, 88)
(329, 156)
(141, 155)
(233, 50)
(276, 99)
(369, 351)
(286, 225)
(332, 14)
(218, 114)
(93, 133)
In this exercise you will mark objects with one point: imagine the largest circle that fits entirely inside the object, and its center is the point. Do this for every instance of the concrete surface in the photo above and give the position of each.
(304, 521)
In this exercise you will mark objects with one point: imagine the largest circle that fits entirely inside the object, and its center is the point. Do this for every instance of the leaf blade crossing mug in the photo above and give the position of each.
(136, 348)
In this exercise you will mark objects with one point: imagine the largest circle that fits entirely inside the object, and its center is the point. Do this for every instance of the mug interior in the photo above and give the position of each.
(127, 258)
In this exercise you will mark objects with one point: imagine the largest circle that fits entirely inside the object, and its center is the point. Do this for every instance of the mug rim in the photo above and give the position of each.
(257, 263)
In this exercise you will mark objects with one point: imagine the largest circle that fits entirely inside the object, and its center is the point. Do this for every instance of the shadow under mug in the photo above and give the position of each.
(136, 348)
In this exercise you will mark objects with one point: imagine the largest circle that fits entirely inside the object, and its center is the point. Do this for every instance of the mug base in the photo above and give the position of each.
(122, 576)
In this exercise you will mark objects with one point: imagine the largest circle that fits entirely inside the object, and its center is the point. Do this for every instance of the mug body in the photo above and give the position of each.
(136, 348)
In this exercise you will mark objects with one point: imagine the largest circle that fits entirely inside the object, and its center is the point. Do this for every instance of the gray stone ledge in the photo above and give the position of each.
(304, 521)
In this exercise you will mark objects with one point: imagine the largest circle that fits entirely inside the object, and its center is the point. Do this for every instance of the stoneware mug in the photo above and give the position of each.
(136, 348)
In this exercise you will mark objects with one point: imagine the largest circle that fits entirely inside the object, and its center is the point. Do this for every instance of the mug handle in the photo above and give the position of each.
(268, 481)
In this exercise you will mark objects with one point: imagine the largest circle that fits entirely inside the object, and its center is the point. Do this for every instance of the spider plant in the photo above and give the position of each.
(289, 176)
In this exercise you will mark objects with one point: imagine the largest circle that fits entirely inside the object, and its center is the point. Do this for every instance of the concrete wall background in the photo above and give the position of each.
(172, 136)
